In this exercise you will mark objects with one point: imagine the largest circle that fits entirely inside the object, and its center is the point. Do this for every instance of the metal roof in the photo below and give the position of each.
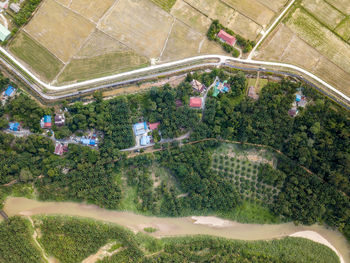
(4, 33)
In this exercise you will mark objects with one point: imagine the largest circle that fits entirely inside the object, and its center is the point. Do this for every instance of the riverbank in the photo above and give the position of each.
(167, 227)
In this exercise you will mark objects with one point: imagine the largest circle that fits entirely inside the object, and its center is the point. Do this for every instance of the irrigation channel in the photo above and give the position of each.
(178, 226)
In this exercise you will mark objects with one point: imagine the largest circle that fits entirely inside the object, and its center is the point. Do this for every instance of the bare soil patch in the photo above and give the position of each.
(59, 29)
(139, 24)
(244, 26)
(275, 5)
(91, 9)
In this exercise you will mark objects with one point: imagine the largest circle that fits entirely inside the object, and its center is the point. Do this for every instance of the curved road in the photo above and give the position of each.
(223, 60)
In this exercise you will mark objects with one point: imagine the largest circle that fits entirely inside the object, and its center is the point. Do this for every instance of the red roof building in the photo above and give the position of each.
(153, 126)
(227, 38)
(60, 149)
(195, 102)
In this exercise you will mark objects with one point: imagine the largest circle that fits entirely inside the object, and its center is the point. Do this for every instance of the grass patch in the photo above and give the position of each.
(107, 64)
(36, 56)
(150, 229)
(128, 200)
(165, 4)
(115, 247)
(249, 212)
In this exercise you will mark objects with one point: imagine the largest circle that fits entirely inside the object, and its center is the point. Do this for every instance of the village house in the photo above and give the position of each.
(9, 92)
(59, 119)
(60, 148)
(252, 94)
(226, 38)
(88, 141)
(145, 140)
(46, 122)
(140, 128)
(14, 126)
(197, 86)
(195, 102)
(221, 87)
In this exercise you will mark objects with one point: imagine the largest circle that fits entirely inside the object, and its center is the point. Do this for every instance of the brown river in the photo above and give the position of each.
(177, 226)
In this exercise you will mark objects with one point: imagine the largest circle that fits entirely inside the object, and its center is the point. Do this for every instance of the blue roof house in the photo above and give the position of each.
(92, 142)
(298, 97)
(85, 141)
(9, 91)
(14, 126)
(145, 140)
(140, 128)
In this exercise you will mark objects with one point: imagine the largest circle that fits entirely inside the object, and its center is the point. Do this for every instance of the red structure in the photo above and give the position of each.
(195, 102)
(227, 38)
(153, 126)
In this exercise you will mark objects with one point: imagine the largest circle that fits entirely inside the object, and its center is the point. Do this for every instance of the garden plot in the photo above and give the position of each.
(141, 25)
(243, 167)
(214, 9)
(324, 12)
(342, 5)
(59, 29)
(259, 13)
(244, 26)
(195, 43)
(91, 9)
(191, 16)
(343, 29)
(36, 56)
(321, 38)
(275, 5)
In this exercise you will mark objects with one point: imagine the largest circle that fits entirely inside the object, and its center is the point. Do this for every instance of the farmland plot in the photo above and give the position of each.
(141, 25)
(275, 5)
(253, 9)
(343, 29)
(343, 5)
(324, 12)
(244, 26)
(91, 9)
(321, 38)
(52, 28)
(191, 16)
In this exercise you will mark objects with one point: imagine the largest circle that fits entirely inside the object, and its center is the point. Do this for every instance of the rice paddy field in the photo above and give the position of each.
(315, 36)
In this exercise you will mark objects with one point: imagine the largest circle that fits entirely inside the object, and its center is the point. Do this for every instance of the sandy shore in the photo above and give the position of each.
(319, 239)
(210, 221)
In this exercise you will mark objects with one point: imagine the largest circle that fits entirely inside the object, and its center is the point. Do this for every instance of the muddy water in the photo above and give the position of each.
(174, 226)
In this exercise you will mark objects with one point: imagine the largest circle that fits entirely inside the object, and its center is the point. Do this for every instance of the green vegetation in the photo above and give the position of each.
(38, 57)
(16, 243)
(72, 239)
(150, 229)
(26, 11)
(245, 44)
(165, 4)
(107, 64)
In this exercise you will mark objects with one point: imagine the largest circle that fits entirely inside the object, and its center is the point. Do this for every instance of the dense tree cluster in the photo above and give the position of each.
(26, 11)
(16, 242)
(214, 29)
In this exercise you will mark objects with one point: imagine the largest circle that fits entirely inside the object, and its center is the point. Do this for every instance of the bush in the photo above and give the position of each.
(235, 53)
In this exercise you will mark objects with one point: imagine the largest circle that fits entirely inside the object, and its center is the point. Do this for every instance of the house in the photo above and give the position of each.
(293, 112)
(60, 119)
(197, 86)
(195, 102)
(46, 122)
(221, 87)
(14, 126)
(140, 128)
(4, 33)
(297, 97)
(302, 103)
(227, 38)
(60, 149)
(252, 94)
(10, 91)
(153, 126)
(15, 7)
(87, 141)
(178, 103)
(145, 140)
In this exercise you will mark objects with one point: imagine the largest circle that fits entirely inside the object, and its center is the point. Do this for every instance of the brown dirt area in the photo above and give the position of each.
(214, 9)
(52, 28)
(91, 9)
(275, 5)
(191, 16)
(252, 9)
(139, 24)
(64, 2)
(244, 26)
(99, 44)
(343, 5)
(195, 43)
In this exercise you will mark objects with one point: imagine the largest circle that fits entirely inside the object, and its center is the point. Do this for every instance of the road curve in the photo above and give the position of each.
(222, 59)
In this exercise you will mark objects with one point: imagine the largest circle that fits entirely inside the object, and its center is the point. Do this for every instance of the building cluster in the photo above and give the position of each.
(46, 121)
(300, 101)
(143, 132)
(221, 87)
(197, 86)
(227, 38)
(90, 140)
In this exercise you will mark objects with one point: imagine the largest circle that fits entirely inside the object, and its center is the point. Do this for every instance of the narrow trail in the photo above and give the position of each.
(35, 235)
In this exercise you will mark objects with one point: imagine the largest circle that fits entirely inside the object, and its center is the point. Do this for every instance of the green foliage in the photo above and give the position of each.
(150, 229)
(26, 11)
(16, 243)
(72, 239)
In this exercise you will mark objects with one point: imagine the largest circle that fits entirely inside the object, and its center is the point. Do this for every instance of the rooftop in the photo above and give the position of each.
(140, 128)
(195, 102)
(9, 91)
(231, 40)
(154, 125)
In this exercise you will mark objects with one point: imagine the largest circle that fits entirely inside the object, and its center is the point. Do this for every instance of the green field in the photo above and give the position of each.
(87, 68)
(165, 4)
(38, 57)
